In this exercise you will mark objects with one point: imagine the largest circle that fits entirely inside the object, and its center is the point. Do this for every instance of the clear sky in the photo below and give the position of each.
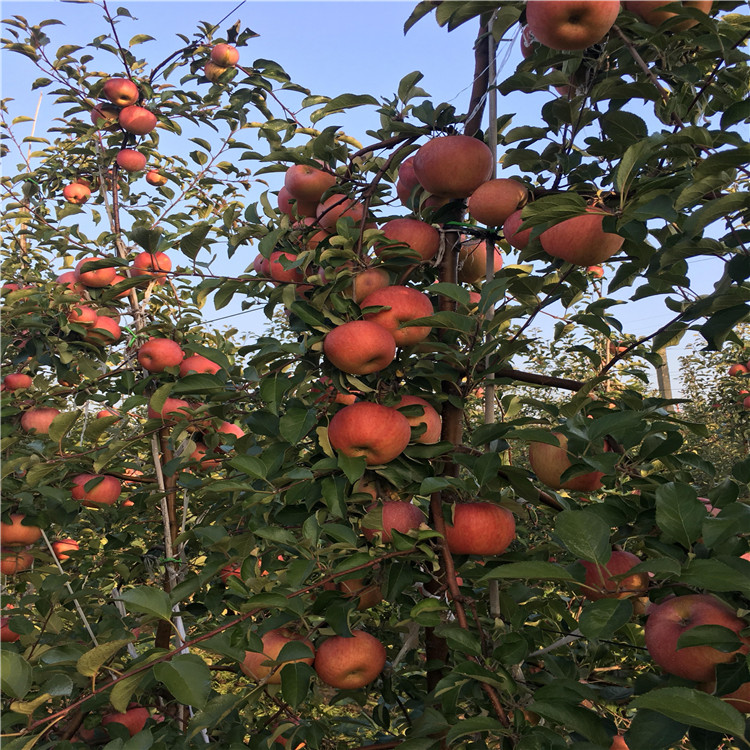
(331, 48)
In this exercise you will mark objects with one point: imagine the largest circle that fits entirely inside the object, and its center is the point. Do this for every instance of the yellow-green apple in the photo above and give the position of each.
(15, 561)
(570, 24)
(349, 663)
(406, 181)
(359, 347)
(514, 237)
(104, 331)
(279, 272)
(76, 193)
(405, 304)
(550, 462)
(6, 634)
(655, 13)
(738, 370)
(306, 183)
(121, 91)
(273, 641)
(495, 200)
(134, 719)
(16, 533)
(581, 240)
(38, 419)
(83, 315)
(15, 381)
(157, 354)
(105, 116)
(669, 619)
(156, 178)
(429, 418)
(453, 166)
(606, 581)
(96, 489)
(472, 261)
(174, 410)
(197, 363)
(368, 281)
(63, 546)
(97, 278)
(339, 206)
(213, 72)
(377, 432)
(395, 515)
(155, 265)
(298, 208)
(480, 529)
(417, 235)
(137, 120)
(224, 55)
(130, 160)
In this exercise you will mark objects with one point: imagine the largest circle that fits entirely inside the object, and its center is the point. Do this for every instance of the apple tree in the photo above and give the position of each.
(315, 536)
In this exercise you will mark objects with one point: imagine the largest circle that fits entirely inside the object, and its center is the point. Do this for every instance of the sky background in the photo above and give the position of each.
(329, 47)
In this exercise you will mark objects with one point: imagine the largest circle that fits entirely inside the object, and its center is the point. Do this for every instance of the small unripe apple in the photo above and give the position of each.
(213, 72)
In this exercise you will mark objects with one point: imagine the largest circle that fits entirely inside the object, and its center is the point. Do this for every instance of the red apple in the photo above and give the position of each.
(739, 698)
(196, 363)
(307, 184)
(581, 240)
(97, 278)
(224, 55)
(603, 581)
(83, 315)
(672, 617)
(359, 347)
(130, 160)
(6, 634)
(528, 42)
(15, 381)
(76, 193)
(349, 663)
(105, 116)
(596, 271)
(480, 529)
(618, 743)
(137, 120)
(329, 393)
(156, 178)
(338, 206)
(298, 208)
(417, 235)
(228, 428)
(16, 533)
(495, 200)
(174, 410)
(121, 91)
(158, 354)
(549, 463)
(376, 432)
(654, 12)
(273, 641)
(134, 719)
(104, 331)
(472, 261)
(406, 304)
(368, 594)
(453, 166)
(63, 546)
(231, 570)
(738, 370)
(155, 265)
(571, 24)
(15, 561)
(279, 273)
(368, 281)
(262, 266)
(199, 455)
(429, 418)
(396, 515)
(38, 419)
(516, 238)
(407, 180)
(102, 413)
(104, 490)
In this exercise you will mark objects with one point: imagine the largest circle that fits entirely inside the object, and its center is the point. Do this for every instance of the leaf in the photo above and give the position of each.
(249, 465)
(148, 600)
(532, 570)
(716, 636)
(187, 677)
(633, 159)
(216, 710)
(15, 674)
(352, 466)
(474, 725)
(27, 708)
(92, 661)
(601, 619)
(342, 102)
(679, 513)
(122, 692)
(584, 534)
(62, 424)
(420, 11)
(650, 730)
(295, 682)
(192, 243)
(694, 708)
(574, 718)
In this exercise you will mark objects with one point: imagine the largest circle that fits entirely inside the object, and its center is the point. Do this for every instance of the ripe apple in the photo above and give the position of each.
(571, 24)
(596, 271)
(472, 261)
(69, 278)
(196, 363)
(368, 281)
(104, 331)
(174, 410)
(262, 266)
(199, 456)
(453, 166)
(581, 240)
(137, 120)
(369, 594)
(549, 463)
(15, 381)
(406, 304)
(83, 315)
(16, 533)
(710, 508)
(407, 180)
(528, 43)
(157, 354)
(121, 91)
(600, 580)
(349, 663)
(97, 278)
(307, 184)
(359, 347)
(76, 193)
(6, 634)
(618, 743)
(516, 239)
(224, 55)
(228, 428)
(654, 12)
(38, 419)
(306, 209)
(106, 413)
(156, 178)
(377, 432)
(63, 546)
(495, 200)
(429, 418)
(155, 265)
(328, 392)
(336, 207)
(396, 515)
(672, 617)
(417, 235)
(480, 529)
(105, 116)
(279, 273)
(15, 561)
(231, 570)
(273, 641)
(130, 160)
(739, 698)
(134, 719)
(104, 490)
(213, 72)
(738, 370)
